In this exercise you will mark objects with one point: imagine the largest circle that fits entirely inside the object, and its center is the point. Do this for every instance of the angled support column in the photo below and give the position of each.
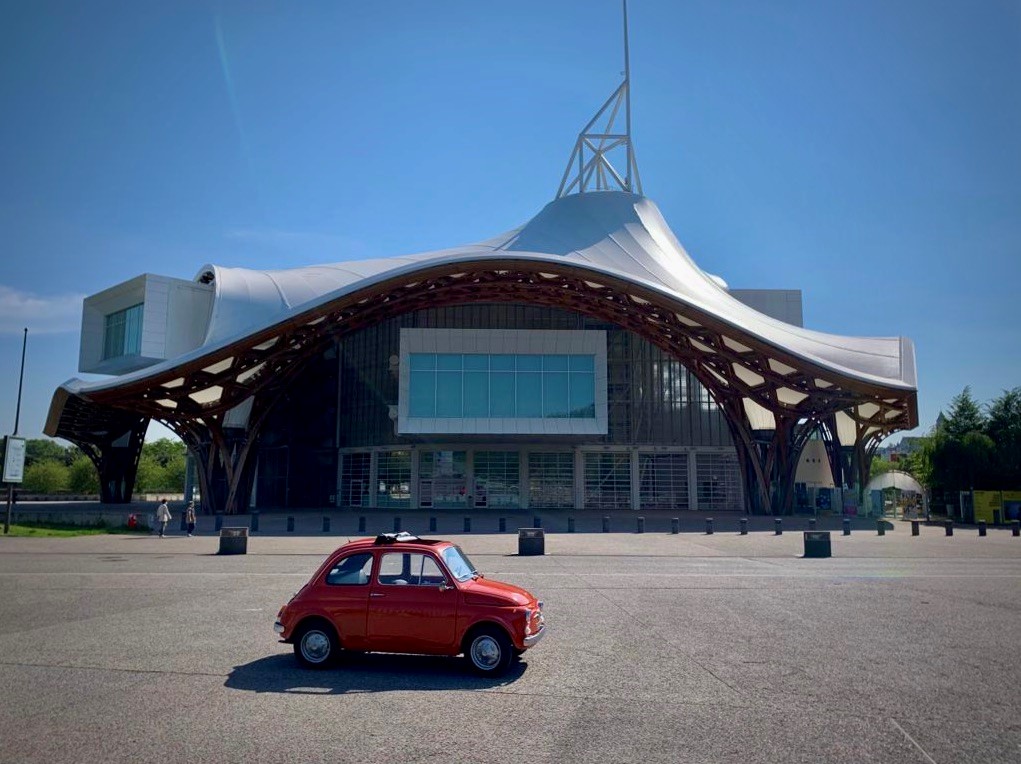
(115, 456)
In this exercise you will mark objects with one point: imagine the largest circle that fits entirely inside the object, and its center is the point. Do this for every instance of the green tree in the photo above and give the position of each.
(82, 476)
(46, 476)
(965, 416)
(1003, 426)
(44, 449)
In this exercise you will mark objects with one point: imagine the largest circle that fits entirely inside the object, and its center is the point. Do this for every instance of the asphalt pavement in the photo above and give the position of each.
(661, 647)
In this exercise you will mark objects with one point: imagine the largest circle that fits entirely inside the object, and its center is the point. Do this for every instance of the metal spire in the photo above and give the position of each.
(589, 168)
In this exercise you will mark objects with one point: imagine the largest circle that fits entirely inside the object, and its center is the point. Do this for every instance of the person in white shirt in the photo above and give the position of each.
(163, 516)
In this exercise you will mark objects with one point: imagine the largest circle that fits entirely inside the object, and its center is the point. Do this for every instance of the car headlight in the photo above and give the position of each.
(528, 623)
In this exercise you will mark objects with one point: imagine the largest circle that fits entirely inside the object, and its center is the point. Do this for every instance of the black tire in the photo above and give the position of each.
(489, 651)
(316, 645)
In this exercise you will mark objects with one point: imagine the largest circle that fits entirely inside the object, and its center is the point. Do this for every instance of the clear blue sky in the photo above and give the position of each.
(866, 152)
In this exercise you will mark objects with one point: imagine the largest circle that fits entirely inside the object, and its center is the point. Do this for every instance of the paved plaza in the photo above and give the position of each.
(661, 647)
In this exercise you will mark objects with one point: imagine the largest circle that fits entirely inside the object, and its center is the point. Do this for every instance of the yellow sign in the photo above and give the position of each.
(1006, 505)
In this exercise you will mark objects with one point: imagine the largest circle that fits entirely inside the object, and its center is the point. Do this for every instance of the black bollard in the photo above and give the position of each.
(1015, 527)
(290, 525)
(432, 525)
(641, 525)
(881, 527)
(709, 526)
(536, 522)
(744, 526)
(949, 526)
(981, 527)
(811, 523)
(254, 522)
(570, 525)
(847, 526)
(778, 527)
(675, 525)
(397, 525)
(503, 525)
(361, 524)
(219, 521)
(914, 527)
(467, 524)
(326, 524)
(606, 523)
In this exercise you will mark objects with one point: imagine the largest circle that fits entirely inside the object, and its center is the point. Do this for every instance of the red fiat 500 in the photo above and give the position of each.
(401, 594)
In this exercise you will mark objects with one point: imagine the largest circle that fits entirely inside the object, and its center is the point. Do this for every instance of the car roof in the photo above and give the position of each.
(395, 540)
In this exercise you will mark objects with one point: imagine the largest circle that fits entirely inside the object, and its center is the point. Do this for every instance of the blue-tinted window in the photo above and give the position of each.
(529, 395)
(448, 393)
(448, 361)
(555, 400)
(476, 393)
(501, 392)
(423, 361)
(479, 386)
(122, 332)
(555, 362)
(583, 395)
(529, 362)
(423, 394)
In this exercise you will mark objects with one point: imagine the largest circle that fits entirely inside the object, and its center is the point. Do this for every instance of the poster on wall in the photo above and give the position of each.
(14, 459)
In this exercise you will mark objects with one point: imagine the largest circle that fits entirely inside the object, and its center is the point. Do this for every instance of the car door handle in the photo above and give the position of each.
(376, 594)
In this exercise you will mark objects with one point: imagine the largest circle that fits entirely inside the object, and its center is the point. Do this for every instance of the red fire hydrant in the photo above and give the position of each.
(132, 521)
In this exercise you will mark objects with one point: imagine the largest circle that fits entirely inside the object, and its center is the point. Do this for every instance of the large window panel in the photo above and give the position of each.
(529, 395)
(583, 395)
(503, 398)
(476, 392)
(448, 393)
(422, 400)
(555, 398)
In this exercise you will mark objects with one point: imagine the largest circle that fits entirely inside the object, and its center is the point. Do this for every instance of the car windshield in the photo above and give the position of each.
(458, 564)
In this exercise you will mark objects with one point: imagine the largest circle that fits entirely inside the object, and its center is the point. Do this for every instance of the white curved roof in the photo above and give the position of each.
(615, 232)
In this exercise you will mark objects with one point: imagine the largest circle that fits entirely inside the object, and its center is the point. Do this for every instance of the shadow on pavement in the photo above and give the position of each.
(364, 672)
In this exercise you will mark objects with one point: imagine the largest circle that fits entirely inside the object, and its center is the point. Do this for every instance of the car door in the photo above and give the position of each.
(344, 595)
(412, 605)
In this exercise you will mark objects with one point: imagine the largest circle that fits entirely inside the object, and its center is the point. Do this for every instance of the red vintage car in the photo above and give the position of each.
(401, 594)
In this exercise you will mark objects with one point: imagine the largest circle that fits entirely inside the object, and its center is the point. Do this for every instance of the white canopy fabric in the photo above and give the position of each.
(902, 481)
(613, 232)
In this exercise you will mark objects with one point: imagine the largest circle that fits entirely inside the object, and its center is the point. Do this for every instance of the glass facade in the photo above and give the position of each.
(551, 480)
(355, 480)
(122, 333)
(663, 481)
(718, 481)
(344, 403)
(608, 481)
(394, 479)
(497, 479)
(475, 385)
(442, 479)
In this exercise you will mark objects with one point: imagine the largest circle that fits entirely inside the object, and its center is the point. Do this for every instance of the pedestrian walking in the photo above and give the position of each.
(163, 516)
(189, 517)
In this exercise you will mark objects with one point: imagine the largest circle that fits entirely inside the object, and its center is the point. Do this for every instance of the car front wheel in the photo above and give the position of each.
(489, 651)
(316, 646)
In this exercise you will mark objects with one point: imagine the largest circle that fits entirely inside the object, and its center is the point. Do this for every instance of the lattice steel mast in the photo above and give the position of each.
(590, 161)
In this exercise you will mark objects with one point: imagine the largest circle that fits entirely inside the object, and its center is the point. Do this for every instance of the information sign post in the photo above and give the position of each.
(14, 447)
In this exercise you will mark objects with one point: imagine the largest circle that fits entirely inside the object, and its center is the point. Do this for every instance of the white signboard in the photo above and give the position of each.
(14, 460)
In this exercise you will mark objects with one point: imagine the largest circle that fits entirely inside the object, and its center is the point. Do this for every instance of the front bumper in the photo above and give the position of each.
(534, 639)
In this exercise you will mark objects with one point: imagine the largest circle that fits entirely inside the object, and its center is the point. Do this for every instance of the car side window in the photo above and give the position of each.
(409, 569)
(353, 570)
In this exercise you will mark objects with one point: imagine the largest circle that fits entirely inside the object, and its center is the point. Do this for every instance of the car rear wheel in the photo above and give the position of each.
(316, 645)
(489, 651)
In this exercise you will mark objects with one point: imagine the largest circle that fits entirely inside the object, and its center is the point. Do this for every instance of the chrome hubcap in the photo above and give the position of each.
(315, 646)
(485, 652)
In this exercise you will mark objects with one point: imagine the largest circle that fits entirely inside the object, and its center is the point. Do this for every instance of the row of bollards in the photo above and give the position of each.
(675, 525)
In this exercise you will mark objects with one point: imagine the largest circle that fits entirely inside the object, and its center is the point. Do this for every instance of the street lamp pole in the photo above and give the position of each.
(17, 421)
